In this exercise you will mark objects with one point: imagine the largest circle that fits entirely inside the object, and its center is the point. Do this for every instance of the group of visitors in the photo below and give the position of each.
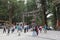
(7, 28)
(19, 27)
(38, 29)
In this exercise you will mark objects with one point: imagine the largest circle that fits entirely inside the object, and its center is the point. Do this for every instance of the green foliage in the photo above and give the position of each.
(3, 10)
(39, 20)
(52, 9)
(31, 5)
(18, 8)
(28, 19)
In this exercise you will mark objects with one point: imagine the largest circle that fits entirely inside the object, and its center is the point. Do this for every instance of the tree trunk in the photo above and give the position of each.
(58, 17)
(11, 10)
(43, 2)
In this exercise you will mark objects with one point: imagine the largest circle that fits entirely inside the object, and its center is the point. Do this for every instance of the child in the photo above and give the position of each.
(40, 28)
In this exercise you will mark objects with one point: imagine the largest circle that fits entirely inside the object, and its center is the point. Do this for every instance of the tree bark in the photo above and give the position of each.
(11, 10)
(43, 2)
(58, 17)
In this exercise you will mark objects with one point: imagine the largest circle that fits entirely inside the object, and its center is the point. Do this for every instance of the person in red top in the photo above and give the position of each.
(36, 29)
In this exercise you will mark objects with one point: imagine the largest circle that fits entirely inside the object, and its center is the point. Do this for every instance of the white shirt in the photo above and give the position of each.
(25, 26)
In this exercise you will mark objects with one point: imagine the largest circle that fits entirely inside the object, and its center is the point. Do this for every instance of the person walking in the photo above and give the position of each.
(8, 30)
(36, 29)
(4, 28)
(13, 28)
(45, 29)
(19, 29)
(40, 28)
(34, 32)
(25, 28)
